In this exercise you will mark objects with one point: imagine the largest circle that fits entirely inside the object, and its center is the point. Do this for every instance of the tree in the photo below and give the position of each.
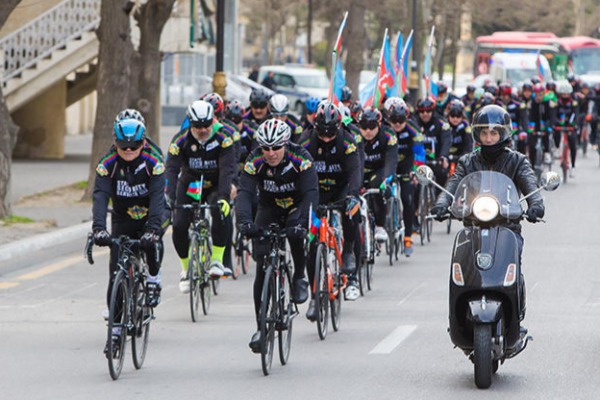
(8, 129)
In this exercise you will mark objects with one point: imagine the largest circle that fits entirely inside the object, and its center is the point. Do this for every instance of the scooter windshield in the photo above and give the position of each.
(489, 184)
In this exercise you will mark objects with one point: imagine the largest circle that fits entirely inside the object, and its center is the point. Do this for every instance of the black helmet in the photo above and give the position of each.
(397, 112)
(527, 86)
(471, 88)
(259, 98)
(356, 109)
(551, 86)
(492, 117)
(235, 111)
(456, 108)
(370, 118)
(426, 104)
(327, 119)
(535, 80)
(486, 99)
(442, 87)
(346, 94)
(492, 88)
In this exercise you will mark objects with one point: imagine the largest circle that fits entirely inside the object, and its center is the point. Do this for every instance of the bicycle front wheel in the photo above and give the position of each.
(389, 227)
(336, 301)
(117, 325)
(429, 221)
(267, 319)
(286, 311)
(142, 316)
(321, 291)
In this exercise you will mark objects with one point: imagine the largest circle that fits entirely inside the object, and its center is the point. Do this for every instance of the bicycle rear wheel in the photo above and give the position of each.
(117, 323)
(203, 278)
(422, 214)
(389, 227)
(429, 221)
(267, 319)
(321, 291)
(194, 280)
(286, 311)
(142, 316)
(336, 302)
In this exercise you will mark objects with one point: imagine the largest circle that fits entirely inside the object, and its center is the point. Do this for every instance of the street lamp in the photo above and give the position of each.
(219, 80)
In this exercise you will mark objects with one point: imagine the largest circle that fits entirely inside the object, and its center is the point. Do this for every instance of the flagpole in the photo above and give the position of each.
(334, 56)
(428, 64)
(404, 56)
(379, 67)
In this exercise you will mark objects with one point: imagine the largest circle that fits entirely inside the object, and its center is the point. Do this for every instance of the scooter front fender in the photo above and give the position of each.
(484, 311)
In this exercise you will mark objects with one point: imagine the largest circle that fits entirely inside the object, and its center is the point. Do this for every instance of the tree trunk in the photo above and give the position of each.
(114, 75)
(8, 129)
(152, 18)
(356, 40)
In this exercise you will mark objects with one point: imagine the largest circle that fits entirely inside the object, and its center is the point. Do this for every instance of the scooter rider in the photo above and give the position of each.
(492, 129)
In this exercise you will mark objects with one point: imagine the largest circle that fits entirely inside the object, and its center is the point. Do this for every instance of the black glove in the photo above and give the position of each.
(295, 232)
(352, 206)
(149, 239)
(102, 238)
(439, 212)
(249, 229)
(535, 214)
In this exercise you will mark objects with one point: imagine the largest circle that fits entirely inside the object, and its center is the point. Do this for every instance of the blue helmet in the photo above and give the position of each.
(129, 133)
(311, 104)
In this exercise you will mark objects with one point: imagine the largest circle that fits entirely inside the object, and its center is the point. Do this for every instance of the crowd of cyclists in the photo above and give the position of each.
(264, 165)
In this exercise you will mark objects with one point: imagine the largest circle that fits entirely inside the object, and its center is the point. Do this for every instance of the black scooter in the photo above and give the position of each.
(487, 291)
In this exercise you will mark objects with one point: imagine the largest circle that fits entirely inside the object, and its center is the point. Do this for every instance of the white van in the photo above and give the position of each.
(517, 67)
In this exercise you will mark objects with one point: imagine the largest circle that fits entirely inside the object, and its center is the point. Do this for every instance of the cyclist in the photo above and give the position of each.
(443, 99)
(204, 150)
(259, 100)
(131, 175)
(469, 101)
(337, 162)
(234, 112)
(567, 117)
(310, 107)
(346, 96)
(381, 158)
(355, 110)
(538, 120)
(518, 116)
(286, 181)
(587, 100)
(279, 107)
(462, 140)
(129, 113)
(409, 139)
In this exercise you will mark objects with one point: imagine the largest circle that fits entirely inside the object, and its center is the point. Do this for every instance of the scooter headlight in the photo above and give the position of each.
(485, 208)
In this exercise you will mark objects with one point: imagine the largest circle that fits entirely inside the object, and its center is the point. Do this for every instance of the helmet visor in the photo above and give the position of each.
(132, 145)
(487, 129)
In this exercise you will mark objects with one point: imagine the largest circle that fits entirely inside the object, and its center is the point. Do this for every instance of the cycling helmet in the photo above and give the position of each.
(328, 119)
(527, 86)
(492, 88)
(346, 94)
(398, 113)
(538, 88)
(273, 133)
(551, 86)
(235, 111)
(130, 113)
(279, 105)
(492, 117)
(356, 109)
(487, 99)
(344, 111)
(259, 98)
(216, 101)
(129, 133)
(535, 80)
(564, 87)
(571, 78)
(471, 88)
(442, 87)
(311, 104)
(391, 101)
(370, 118)
(456, 108)
(505, 89)
(201, 114)
(426, 104)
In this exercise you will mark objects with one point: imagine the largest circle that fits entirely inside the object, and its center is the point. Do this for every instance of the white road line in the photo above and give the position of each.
(410, 294)
(391, 341)
(69, 294)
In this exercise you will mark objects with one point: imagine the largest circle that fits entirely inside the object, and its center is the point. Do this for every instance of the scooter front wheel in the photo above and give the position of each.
(482, 355)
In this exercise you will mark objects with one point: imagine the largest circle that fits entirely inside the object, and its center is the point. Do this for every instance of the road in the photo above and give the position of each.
(53, 335)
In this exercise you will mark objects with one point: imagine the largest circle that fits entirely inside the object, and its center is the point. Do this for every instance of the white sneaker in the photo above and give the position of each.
(351, 293)
(572, 172)
(216, 269)
(184, 283)
(105, 314)
(380, 234)
(547, 158)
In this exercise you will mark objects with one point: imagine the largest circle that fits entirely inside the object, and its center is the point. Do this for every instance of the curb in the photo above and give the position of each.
(43, 241)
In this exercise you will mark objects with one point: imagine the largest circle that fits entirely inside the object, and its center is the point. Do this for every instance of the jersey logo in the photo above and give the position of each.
(137, 212)
(306, 164)
(174, 149)
(101, 170)
(285, 202)
(351, 148)
(226, 142)
(158, 169)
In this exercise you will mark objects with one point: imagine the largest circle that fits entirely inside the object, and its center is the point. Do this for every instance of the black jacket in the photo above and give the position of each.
(510, 163)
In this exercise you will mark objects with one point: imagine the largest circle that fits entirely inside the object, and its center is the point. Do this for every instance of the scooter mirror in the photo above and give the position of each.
(550, 180)
(424, 175)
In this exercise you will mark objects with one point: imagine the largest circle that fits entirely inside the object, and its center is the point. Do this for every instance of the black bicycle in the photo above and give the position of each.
(277, 310)
(128, 313)
(426, 201)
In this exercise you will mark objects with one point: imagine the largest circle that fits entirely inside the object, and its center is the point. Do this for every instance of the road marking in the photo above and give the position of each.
(391, 341)
(410, 294)
(8, 285)
(64, 295)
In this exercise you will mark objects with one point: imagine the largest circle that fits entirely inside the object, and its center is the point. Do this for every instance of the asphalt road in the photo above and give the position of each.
(53, 335)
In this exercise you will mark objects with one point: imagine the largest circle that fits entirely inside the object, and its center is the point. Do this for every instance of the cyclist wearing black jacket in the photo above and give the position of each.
(338, 168)
(286, 180)
(279, 107)
(202, 161)
(131, 174)
(259, 100)
(567, 118)
(462, 140)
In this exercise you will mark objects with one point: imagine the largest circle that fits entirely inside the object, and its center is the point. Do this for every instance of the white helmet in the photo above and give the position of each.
(344, 110)
(391, 101)
(130, 113)
(201, 112)
(563, 87)
(279, 105)
(273, 132)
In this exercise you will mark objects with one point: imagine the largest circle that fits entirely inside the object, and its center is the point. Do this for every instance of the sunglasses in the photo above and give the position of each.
(397, 120)
(271, 148)
(259, 105)
(201, 124)
(124, 145)
(425, 111)
(455, 115)
(369, 124)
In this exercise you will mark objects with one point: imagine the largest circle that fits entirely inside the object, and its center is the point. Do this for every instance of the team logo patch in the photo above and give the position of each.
(285, 203)
(393, 140)
(137, 212)
(298, 130)
(250, 168)
(101, 170)
(305, 165)
(226, 142)
(174, 149)
(351, 148)
(194, 148)
(158, 169)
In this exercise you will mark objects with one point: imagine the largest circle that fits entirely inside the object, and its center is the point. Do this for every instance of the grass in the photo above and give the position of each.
(16, 219)
(80, 185)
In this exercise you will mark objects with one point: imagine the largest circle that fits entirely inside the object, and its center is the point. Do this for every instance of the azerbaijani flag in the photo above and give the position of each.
(395, 90)
(314, 224)
(194, 190)
(538, 65)
(337, 50)
(404, 65)
(366, 94)
(339, 81)
(427, 66)
(386, 74)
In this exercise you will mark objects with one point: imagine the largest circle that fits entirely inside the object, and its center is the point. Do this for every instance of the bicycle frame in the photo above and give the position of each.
(331, 237)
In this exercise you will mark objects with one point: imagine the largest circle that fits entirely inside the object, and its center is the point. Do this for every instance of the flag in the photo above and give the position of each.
(339, 81)
(385, 77)
(395, 90)
(404, 64)
(314, 224)
(538, 65)
(194, 190)
(336, 53)
(427, 65)
(366, 94)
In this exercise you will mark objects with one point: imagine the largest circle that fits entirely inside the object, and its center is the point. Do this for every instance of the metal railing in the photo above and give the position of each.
(50, 31)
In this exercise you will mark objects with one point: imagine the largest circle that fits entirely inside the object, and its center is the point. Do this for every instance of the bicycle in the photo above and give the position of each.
(277, 310)
(394, 224)
(565, 162)
(585, 137)
(329, 281)
(426, 201)
(129, 294)
(242, 252)
(370, 246)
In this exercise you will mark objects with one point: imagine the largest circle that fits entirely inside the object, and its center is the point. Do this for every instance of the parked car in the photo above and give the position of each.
(297, 83)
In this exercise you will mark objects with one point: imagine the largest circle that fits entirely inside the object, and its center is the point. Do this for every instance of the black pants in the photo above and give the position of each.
(407, 192)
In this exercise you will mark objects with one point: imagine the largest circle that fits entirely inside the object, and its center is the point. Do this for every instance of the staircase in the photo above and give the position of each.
(59, 44)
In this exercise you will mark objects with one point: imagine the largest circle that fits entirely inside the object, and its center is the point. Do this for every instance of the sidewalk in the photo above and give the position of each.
(46, 191)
